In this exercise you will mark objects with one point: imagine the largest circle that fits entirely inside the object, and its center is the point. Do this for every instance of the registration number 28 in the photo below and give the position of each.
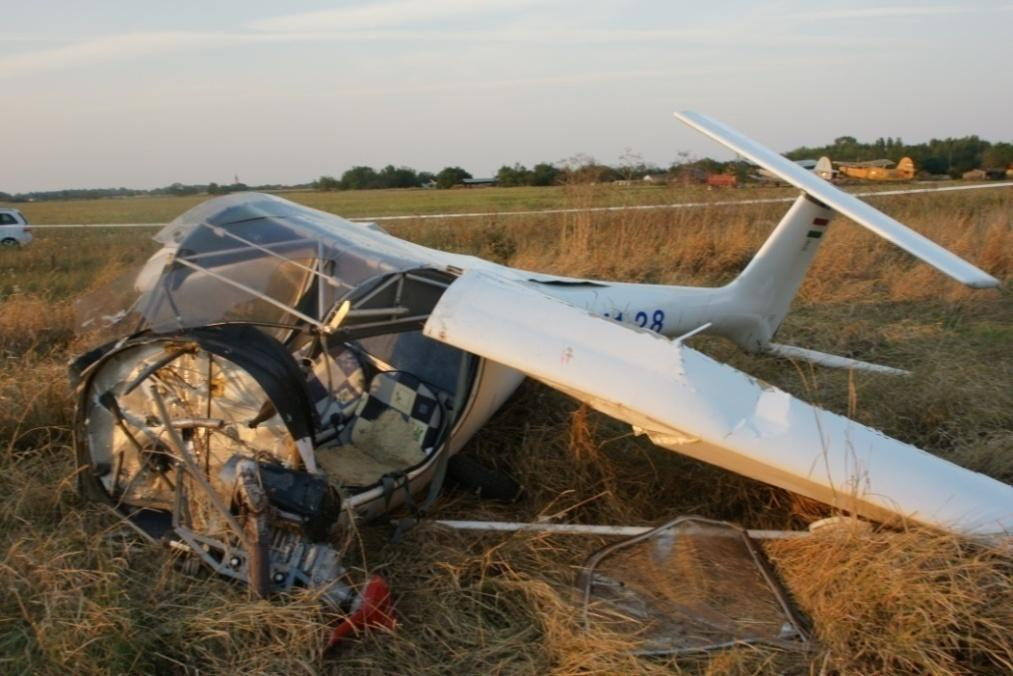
(655, 321)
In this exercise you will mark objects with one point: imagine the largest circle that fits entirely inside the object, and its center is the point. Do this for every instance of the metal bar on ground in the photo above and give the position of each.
(588, 529)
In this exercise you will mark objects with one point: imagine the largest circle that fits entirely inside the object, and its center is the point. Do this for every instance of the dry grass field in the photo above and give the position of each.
(80, 594)
(362, 203)
(349, 203)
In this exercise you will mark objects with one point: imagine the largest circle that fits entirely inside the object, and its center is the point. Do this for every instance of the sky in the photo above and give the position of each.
(111, 93)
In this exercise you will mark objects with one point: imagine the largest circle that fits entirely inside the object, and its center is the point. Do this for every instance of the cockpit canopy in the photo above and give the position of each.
(245, 258)
(257, 259)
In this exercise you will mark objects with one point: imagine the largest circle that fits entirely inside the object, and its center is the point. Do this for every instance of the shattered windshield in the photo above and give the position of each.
(246, 257)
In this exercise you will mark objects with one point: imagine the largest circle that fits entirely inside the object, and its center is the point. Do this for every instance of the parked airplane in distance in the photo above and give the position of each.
(879, 170)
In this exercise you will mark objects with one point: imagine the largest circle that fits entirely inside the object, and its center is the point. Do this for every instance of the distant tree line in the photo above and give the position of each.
(542, 173)
(368, 178)
(181, 190)
(175, 190)
(578, 170)
(72, 194)
(951, 156)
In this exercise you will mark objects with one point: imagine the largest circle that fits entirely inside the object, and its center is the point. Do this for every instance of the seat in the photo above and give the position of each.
(394, 427)
(336, 381)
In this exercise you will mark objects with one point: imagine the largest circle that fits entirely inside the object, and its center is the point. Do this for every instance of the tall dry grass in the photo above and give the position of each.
(909, 602)
(711, 245)
(82, 594)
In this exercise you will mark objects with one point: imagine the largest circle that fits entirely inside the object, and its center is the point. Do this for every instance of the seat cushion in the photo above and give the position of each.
(336, 383)
(393, 428)
(406, 395)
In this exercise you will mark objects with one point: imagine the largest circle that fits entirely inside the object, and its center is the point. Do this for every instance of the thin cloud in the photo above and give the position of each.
(36, 38)
(881, 12)
(523, 83)
(380, 15)
(97, 50)
(397, 21)
(114, 48)
(569, 80)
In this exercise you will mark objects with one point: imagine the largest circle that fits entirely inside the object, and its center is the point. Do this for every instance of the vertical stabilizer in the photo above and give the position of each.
(824, 168)
(773, 277)
(906, 168)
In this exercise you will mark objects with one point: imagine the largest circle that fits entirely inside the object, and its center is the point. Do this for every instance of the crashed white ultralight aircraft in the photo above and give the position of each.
(280, 371)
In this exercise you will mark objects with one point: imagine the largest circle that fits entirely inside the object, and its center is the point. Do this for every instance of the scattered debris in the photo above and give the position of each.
(690, 585)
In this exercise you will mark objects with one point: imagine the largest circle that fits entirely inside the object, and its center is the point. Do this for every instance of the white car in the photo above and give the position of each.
(14, 230)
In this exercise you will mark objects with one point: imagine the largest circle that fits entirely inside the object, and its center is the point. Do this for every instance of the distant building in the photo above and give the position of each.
(656, 179)
(985, 175)
(479, 182)
(722, 181)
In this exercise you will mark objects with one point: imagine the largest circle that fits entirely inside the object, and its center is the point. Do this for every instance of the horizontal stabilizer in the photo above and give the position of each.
(831, 360)
(914, 243)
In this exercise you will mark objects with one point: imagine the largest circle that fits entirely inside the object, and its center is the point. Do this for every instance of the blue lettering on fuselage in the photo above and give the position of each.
(655, 321)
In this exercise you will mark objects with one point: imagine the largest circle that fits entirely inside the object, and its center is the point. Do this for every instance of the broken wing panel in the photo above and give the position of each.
(690, 403)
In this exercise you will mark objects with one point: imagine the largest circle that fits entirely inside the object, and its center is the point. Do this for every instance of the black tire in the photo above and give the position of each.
(474, 477)
(10, 243)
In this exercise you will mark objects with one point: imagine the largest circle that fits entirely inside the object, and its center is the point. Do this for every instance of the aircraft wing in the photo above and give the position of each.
(687, 402)
(840, 201)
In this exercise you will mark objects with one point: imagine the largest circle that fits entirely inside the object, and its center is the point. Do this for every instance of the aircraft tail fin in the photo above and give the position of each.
(906, 167)
(759, 299)
(830, 197)
(772, 278)
(824, 168)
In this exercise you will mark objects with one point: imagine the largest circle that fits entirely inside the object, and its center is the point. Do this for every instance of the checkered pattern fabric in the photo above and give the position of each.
(409, 397)
(336, 383)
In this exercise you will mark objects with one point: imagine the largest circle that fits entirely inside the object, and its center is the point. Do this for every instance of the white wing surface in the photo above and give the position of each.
(848, 205)
(690, 403)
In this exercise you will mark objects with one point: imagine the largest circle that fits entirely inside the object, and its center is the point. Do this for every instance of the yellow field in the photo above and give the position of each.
(81, 595)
